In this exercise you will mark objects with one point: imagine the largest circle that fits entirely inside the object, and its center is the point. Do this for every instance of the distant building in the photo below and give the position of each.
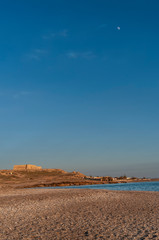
(26, 167)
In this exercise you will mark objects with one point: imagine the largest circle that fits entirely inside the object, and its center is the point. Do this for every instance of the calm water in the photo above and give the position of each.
(140, 186)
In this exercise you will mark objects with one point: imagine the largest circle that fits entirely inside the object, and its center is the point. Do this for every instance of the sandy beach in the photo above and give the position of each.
(78, 214)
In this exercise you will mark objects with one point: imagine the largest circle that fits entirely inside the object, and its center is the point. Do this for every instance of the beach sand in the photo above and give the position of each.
(78, 214)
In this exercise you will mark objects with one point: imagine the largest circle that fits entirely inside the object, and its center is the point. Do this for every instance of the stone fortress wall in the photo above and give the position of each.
(26, 167)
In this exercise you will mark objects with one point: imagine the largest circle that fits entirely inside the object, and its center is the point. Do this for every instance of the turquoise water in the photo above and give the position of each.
(140, 186)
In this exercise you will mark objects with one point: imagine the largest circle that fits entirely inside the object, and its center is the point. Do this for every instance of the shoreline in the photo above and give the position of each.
(71, 184)
(55, 177)
(78, 214)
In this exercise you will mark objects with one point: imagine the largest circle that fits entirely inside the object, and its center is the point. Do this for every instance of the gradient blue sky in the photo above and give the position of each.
(79, 85)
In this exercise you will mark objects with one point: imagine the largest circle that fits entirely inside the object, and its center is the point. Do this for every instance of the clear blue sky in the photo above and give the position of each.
(79, 85)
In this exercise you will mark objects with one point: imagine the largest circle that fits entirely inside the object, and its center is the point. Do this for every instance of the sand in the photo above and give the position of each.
(78, 214)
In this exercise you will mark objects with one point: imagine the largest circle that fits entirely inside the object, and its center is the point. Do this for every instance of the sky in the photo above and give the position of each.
(79, 85)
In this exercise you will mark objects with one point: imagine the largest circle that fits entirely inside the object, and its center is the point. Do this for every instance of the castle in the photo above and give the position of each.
(26, 167)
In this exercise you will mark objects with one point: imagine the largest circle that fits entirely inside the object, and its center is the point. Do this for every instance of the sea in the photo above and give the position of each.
(133, 186)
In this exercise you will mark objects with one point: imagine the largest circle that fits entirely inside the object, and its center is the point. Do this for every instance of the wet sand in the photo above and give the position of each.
(78, 214)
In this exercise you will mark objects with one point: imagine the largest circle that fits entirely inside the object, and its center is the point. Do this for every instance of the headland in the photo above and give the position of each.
(31, 176)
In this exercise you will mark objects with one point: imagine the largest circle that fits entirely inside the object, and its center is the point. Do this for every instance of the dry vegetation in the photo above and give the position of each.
(50, 177)
(43, 178)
